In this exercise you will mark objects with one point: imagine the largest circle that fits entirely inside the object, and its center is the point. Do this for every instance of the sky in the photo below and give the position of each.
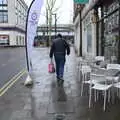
(64, 14)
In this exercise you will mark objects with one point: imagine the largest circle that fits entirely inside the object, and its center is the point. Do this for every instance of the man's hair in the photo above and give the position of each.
(59, 35)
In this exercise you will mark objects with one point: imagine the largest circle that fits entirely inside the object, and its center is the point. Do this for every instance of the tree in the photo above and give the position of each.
(51, 8)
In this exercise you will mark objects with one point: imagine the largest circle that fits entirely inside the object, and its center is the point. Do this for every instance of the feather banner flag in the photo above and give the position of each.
(33, 15)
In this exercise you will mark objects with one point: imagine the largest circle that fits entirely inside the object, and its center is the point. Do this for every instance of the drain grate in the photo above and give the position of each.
(60, 117)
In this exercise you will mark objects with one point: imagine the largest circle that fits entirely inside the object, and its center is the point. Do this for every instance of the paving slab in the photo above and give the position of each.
(61, 107)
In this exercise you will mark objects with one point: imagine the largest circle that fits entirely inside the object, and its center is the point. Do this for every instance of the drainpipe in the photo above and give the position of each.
(97, 32)
(102, 33)
(119, 37)
(80, 34)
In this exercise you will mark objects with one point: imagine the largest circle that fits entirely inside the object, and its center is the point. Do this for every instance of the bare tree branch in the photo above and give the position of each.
(57, 8)
(54, 2)
(47, 6)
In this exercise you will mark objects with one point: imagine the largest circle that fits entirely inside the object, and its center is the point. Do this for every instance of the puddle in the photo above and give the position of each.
(59, 117)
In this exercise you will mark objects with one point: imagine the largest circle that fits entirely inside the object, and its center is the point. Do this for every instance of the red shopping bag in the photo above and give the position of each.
(51, 68)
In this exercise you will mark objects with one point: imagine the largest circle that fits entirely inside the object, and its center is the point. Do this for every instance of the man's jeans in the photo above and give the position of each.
(60, 62)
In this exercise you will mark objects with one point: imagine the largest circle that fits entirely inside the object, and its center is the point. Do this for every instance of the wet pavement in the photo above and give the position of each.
(49, 101)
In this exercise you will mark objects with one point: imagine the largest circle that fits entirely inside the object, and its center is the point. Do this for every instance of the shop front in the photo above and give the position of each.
(89, 35)
(4, 40)
(89, 29)
(108, 29)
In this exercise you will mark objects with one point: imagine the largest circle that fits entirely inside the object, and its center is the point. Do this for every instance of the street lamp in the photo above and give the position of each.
(55, 15)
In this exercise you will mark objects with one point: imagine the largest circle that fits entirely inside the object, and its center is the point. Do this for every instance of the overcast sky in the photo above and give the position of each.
(65, 13)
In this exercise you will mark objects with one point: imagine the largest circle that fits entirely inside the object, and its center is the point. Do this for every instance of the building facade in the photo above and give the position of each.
(85, 29)
(108, 29)
(12, 22)
(89, 35)
(99, 21)
(77, 28)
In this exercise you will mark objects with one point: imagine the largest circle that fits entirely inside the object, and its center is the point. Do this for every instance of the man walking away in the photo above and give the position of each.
(59, 49)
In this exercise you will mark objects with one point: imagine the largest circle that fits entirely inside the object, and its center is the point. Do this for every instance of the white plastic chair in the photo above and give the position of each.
(113, 70)
(99, 58)
(116, 83)
(113, 66)
(85, 70)
(107, 76)
(79, 66)
(99, 73)
(98, 86)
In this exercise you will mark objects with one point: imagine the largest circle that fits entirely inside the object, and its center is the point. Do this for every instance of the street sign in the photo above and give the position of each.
(81, 1)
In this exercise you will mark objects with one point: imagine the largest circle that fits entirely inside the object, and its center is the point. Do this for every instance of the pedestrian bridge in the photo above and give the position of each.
(64, 29)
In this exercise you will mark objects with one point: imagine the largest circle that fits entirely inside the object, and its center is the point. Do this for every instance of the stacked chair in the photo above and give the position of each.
(100, 80)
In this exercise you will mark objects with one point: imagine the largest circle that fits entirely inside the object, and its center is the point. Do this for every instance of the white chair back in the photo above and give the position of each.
(86, 69)
(100, 71)
(99, 58)
(113, 66)
(97, 77)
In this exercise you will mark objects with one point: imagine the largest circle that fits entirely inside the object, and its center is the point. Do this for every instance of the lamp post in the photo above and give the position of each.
(47, 39)
(55, 15)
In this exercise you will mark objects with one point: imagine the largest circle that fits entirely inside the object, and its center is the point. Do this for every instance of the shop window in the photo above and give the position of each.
(99, 13)
(22, 40)
(111, 34)
(17, 40)
(4, 39)
(89, 39)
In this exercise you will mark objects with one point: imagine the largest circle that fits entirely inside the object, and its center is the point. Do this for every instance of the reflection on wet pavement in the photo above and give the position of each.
(48, 99)
(52, 98)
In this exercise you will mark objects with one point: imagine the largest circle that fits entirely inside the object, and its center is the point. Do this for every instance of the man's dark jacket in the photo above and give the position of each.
(59, 47)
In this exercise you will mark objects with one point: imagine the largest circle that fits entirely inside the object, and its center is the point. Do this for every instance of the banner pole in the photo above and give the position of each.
(27, 60)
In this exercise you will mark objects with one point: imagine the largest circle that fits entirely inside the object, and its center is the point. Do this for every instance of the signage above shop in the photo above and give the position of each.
(81, 1)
